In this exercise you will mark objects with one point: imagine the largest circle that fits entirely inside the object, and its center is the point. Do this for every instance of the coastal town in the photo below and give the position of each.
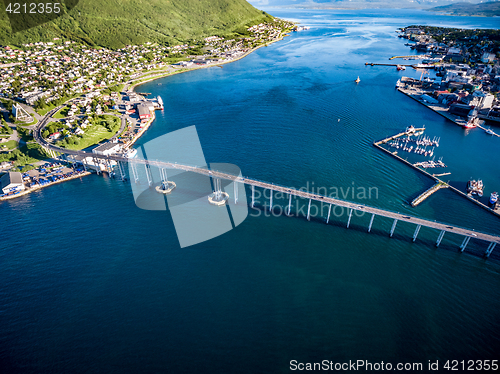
(464, 89)
(467, 69)
(75, 96)
(63, 95)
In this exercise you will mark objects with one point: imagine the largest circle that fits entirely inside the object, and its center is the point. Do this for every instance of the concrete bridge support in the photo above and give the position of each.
(271, 201)
(393, 227)
(349, 219)
(415, 234)
(371, 223)
(253, 195)
(464, 243)
(329, 211)
(490, 249)
(440, 237)
(289, 204)
(122, 174)
(134, 172)
(309, 210)
(148, 174)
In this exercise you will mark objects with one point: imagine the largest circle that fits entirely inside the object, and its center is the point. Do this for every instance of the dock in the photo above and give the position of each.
(413, 57)
(484, 128)
(383, 141)
(428, 193)
(375, 64)
(432, 176)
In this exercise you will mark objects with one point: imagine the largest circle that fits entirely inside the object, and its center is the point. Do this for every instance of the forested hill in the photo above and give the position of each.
(115, 23)
(488, 9)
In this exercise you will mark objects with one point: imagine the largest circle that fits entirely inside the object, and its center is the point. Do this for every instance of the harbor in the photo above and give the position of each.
(420, 166)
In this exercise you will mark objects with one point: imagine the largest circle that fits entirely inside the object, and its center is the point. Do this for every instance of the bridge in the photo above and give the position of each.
(443, 228)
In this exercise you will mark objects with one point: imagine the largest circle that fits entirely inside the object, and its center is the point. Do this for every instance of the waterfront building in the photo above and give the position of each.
(107, 149)
(144, 111)
(12, 182)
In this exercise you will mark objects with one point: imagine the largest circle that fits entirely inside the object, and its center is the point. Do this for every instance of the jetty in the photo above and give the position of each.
(432, 176)
(412, 57)
(428, 193)
(376, 64)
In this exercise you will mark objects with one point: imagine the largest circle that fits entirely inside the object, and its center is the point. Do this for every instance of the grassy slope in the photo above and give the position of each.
(121, 22)
(485, 9)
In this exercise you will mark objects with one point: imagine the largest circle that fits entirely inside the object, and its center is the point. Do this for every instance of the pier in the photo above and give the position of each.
(434, 177)
(412, 57)
(376, 64)
(428, 193)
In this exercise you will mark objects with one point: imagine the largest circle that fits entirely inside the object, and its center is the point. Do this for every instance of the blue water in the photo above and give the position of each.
(90, 283)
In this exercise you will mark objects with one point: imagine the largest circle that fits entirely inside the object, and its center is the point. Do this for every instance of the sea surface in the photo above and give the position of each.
(91, 283)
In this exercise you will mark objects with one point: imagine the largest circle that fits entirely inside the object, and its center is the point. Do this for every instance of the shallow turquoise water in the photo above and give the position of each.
(91, 283)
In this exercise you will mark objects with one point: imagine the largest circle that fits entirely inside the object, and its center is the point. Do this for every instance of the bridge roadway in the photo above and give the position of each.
(468, 233)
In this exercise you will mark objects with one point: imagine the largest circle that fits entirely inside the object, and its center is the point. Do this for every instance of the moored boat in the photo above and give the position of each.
(493, 197)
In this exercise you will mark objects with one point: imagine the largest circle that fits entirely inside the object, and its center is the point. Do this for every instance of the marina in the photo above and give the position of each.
(420, 166)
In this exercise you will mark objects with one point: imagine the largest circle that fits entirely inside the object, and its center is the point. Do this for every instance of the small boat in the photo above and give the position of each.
(398, 83)
(401, 67)
(471, 123)
(493, 197)
(357, 80)
(480, 188)
(490, 132)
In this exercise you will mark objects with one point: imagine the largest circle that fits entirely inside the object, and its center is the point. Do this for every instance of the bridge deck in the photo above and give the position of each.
(303, 194)
(329, 200)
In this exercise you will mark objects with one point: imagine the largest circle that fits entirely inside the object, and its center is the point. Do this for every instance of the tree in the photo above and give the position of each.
(6, 129)
(41, 103)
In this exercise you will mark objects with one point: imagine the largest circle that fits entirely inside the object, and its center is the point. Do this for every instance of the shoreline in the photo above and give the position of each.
(147, 125)
(135, 85)
(39, 187)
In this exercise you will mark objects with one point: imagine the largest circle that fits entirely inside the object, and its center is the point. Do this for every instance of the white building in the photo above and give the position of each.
(482, 100)
(107, 149)
(487, 57)
(12, 182)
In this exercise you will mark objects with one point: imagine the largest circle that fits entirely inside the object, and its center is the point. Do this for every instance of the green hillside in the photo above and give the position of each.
(115, 23)
(488, 9)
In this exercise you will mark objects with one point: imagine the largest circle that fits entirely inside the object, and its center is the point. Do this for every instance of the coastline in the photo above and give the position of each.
(147, 125)
(39, 187)
(135, 85)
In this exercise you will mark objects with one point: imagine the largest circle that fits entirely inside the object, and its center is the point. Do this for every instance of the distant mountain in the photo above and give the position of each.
(353, 4)
(488, 9)
(115, 23)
